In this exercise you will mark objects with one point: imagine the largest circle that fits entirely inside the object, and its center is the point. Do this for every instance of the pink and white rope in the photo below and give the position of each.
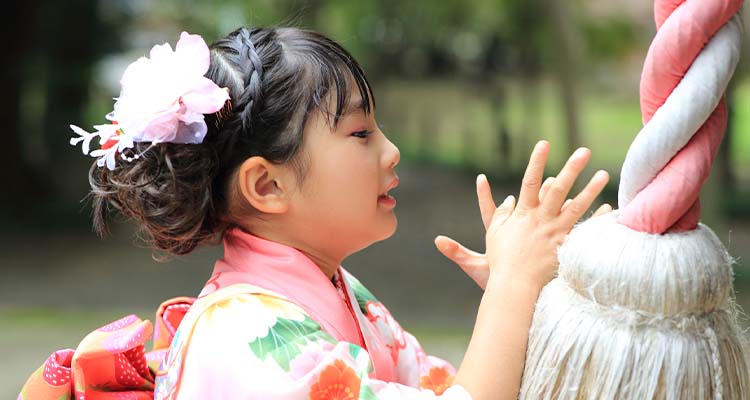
(686, 72)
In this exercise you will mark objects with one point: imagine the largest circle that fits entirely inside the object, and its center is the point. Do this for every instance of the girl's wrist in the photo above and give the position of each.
(518, 282)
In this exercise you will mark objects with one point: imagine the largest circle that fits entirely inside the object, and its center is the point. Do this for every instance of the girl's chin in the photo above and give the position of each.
(391, 228)
(383, 229)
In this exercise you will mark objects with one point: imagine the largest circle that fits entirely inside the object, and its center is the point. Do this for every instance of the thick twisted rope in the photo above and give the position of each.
(687, 69)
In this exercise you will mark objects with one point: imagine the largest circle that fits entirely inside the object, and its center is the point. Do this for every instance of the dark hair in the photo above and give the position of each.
(178, 193)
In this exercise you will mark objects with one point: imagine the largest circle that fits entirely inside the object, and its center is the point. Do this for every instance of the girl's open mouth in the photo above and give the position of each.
(387, 200)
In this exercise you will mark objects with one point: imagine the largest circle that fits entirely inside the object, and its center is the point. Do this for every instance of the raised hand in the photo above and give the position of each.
(476, 264)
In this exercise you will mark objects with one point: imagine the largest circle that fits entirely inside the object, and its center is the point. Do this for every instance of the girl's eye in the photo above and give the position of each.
(362, 134)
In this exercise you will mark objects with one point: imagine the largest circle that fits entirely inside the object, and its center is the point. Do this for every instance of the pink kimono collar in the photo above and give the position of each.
(289, 272)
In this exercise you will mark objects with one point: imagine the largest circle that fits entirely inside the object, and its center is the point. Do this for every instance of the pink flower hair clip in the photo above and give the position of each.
(162, 99)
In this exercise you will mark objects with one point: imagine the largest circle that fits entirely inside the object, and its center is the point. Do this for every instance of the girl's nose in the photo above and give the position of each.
(391, 155)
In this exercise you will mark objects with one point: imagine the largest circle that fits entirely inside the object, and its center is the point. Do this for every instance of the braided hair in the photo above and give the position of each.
(178, 193)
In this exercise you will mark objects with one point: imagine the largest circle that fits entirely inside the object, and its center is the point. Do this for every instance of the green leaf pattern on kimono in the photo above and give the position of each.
(366, 393)
(286, 338)
(362, 294)
(361, 357)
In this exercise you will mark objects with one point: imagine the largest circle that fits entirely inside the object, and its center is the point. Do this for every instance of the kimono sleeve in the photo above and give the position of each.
(257, 346)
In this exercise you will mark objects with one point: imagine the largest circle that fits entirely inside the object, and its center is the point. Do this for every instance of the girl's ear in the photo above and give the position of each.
(265, 185)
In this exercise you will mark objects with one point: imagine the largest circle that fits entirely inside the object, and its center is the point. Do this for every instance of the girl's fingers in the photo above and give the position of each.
(472, 263)
(545, 187)
(456, 252)
(486, 202)
(532, 178)
(559, 189)
(575, 210)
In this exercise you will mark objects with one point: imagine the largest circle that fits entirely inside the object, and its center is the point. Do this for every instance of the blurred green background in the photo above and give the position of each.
(461, 87)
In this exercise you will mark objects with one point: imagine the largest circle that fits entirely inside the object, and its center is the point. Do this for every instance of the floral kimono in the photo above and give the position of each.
(269, 324)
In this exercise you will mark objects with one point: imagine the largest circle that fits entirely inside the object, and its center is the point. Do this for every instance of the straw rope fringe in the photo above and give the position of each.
(642, 317)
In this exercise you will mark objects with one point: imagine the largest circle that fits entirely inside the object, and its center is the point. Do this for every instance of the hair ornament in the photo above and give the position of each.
(223, 114)
(163, 98)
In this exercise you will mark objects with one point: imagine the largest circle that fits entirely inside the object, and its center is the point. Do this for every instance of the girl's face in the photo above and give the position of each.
(342, 205)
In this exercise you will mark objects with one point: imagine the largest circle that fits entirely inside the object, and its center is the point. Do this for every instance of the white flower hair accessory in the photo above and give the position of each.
(162, 99)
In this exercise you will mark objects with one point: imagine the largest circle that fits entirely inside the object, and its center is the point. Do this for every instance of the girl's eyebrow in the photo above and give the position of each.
(355, 105)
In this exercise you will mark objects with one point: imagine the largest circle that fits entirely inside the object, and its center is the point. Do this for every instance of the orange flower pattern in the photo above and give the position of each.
(437, 380)
(337, 382)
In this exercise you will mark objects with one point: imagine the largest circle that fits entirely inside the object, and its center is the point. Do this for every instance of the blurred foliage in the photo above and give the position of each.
(393, 37)
(481, 70)
(609, 38)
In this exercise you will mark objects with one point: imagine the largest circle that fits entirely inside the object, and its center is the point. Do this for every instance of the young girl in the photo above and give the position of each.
(291, 170)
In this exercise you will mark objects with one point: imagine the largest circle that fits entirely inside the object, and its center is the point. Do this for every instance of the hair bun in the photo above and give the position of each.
(168, 192)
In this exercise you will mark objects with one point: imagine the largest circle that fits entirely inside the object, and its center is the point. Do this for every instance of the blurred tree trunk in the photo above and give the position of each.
(567, 53)
(70, 39)
(14, 174)
(502, 138)
(530, 127)
(52, 47)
